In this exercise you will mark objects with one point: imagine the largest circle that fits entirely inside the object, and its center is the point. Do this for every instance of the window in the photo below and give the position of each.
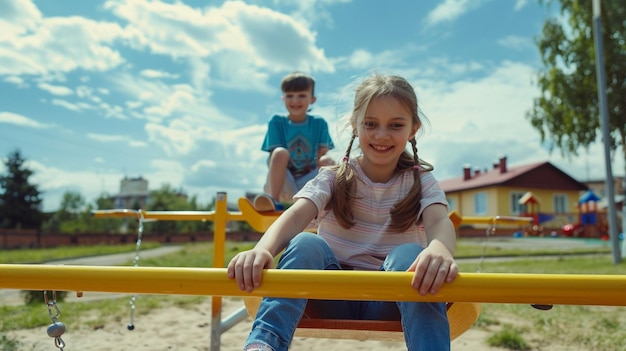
(480, 204)
(560, 203)
(516, 208)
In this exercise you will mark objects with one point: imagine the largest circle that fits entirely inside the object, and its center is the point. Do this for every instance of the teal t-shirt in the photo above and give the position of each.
(301, 139)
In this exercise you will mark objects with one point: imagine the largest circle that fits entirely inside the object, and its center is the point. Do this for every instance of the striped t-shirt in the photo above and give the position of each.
(368, 242)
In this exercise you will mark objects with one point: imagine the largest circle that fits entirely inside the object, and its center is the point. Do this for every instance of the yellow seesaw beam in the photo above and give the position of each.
(571, 289)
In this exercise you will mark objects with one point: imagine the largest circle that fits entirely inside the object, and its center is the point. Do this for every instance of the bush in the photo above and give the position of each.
(508, 338)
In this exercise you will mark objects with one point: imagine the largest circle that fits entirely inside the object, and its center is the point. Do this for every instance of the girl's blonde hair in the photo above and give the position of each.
(404, 213)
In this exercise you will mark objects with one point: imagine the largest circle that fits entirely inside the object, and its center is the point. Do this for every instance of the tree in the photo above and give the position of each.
(169, 199)
(67, 219)
(568, 113)
(106, 225)
(20, 201)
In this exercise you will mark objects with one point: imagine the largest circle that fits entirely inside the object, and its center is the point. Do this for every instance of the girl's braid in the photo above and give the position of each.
(344, 191)
(346, 157)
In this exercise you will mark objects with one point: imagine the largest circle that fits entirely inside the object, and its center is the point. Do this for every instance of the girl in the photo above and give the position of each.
(368, 210)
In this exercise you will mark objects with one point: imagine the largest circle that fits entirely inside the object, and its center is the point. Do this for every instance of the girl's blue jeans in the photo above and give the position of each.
(425, 325)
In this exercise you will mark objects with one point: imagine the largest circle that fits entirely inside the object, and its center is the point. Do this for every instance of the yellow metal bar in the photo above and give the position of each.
(166, 215)
(497, 220)
(261, 221)
(219, 245)
(571, 289)
(158, 215)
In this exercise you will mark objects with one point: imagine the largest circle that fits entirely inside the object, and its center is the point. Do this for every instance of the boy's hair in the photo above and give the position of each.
(298, 81)
(404, 212)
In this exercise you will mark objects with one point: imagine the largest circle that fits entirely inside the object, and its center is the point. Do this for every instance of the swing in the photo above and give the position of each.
(461, 315)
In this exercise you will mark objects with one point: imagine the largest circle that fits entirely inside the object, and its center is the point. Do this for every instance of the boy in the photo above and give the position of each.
(297, 144)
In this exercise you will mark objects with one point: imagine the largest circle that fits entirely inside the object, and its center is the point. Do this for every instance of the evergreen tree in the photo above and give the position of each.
(20, 201)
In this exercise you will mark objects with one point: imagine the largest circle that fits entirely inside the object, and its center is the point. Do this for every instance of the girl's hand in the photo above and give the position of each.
(433, 266)
(247, 267)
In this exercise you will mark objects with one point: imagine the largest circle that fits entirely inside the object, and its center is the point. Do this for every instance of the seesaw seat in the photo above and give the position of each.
(461, 315)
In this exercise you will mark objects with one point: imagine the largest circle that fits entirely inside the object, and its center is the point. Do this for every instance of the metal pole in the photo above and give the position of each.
(219, 245)
(604, 121)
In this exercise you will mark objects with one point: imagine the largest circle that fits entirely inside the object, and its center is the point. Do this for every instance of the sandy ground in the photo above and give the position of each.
(174, 329)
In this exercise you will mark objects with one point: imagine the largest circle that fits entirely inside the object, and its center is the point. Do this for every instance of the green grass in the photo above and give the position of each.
(477, 247)
(525, 247)
(565, 264)
(64, 252)
(508, 338)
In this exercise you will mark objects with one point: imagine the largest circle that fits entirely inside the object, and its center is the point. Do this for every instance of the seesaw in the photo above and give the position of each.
(462, 313)
(569, 289)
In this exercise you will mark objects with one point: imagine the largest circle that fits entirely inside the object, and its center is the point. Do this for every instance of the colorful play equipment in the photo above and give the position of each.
(590, 224)
(532, 206)
(468, 290)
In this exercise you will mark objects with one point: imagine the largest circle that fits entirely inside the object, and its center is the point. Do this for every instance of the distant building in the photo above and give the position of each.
(539, 190)
(133, 193)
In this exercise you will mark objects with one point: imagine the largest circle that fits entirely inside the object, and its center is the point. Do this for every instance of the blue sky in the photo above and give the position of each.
(179, 92)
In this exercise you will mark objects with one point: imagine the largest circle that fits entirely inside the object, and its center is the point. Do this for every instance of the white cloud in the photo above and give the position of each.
(159, 101)
(152, 73)
(17, 17)
(16, 80)
(105, 138)
(54, 182)
(520, 4)
(66, 104)
(493, 102)
(361, 59)
(137, 143)
(244, 41)
(166, 172)
(310, 11)
(516, 43)
(55, 89)
(175, 139)
(61, 44)
(19, 120)
(181, 97)
(202, 164)
(449, 11)
(112, 138)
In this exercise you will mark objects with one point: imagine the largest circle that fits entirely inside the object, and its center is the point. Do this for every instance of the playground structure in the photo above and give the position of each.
(590, 221)
(468, 289)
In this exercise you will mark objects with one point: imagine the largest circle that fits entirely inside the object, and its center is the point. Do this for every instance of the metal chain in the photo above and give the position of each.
(491, 230)
(56, 329)
(133, 298)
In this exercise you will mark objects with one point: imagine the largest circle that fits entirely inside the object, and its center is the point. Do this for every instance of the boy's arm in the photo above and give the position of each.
(321, 152)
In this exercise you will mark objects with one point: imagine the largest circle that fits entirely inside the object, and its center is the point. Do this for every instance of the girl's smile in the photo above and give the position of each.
(383, 134)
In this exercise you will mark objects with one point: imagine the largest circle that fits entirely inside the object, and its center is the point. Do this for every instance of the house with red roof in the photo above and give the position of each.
(540, 190)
